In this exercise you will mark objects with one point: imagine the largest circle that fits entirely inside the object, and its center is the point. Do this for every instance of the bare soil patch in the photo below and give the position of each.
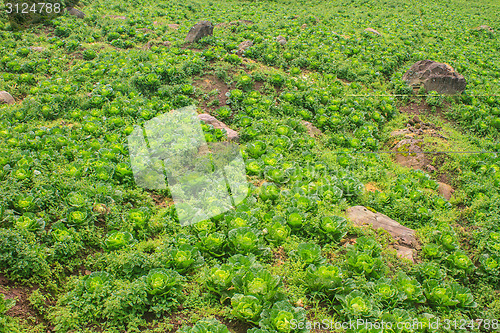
(20, 294)
(208, 83)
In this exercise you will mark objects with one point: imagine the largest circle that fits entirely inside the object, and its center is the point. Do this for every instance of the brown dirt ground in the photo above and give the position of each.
(208, 83)
(160, 200)
(279, 256)
(372, 187)
(420, 107)
(235, 326)
(22, 309)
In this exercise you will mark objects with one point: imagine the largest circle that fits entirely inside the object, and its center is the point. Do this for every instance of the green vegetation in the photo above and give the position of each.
(93, 252)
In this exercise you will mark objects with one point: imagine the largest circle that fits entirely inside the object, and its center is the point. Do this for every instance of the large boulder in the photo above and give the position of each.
(360, 215)
(6, 98)
(435, 76)
(200, 30)
(232, 135)
(373, 31)
(75, 12)
(410, 154)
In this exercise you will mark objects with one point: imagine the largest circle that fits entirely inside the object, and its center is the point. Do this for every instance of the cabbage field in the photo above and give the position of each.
(369, 205)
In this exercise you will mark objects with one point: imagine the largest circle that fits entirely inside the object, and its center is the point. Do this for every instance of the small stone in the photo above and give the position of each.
(118, 17)
(430, 168)
(6, 98)
(416, 119)
(38, 48)
(410, 153)
(303, 26)
(445, 190)
(173, 26)
(484, 27)
(244, 46)
(281, 40)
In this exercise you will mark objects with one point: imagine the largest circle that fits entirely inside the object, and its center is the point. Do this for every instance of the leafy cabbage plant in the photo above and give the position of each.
(185, 257)
(162, 281)
(246, 307)
(283, 317)
(96, 281)
(364, 264)
(333, 228)
(410, 287)
(219, 279)
(324, 278)
(386, 292)
(29, 222)
(205, 325)
(258, 282)
(245, 240)
(357, 304)
(277, 231)
(308, 253)
(139, 217)
(213, 243)
(119, 239)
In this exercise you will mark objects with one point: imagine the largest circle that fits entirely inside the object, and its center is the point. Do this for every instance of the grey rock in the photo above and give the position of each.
(360, 215)
(435, 76)
(244, 46)
(38, 48)
(485, 27)
(232, 135)
(6, 98)
(75, 12)
(200, 30)
(118, 17)
(373, 31)
(281, 40)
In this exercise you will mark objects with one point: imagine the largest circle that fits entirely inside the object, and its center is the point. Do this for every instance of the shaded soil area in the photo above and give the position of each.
(20, 294)
(235, 326)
